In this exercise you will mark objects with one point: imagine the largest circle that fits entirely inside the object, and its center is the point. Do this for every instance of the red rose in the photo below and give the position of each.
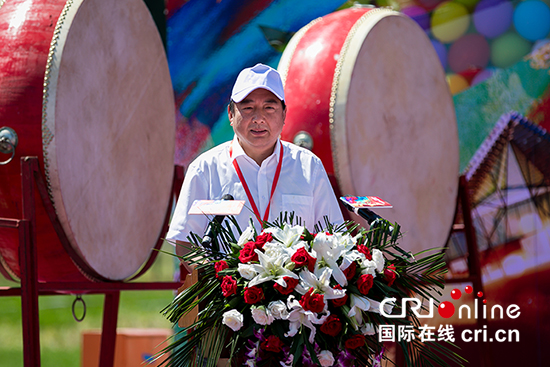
(312, 302)
(291, 283)
(272, 344)
(262, 239)
(253, 295)
(339, 302)
(390, 274)
(355, 341)
(350, 270)
(303, 258)
(364, 283)
(219, 266)
(248, 254)
(229, 286)
(364, 250)
(332, 326)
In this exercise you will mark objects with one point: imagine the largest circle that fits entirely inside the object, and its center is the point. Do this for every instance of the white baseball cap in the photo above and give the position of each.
(258, 76)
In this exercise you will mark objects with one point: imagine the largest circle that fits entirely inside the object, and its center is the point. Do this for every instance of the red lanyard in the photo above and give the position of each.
(247, 190)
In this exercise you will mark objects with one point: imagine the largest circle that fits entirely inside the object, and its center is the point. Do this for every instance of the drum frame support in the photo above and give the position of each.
(31, 288)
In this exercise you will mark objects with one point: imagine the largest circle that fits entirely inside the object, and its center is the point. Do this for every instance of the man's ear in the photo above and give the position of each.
(230, 115)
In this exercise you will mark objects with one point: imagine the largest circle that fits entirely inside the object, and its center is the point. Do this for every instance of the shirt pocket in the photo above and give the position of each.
(301, 205)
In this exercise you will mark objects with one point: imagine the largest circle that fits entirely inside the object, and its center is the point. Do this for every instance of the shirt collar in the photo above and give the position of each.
(238, 150)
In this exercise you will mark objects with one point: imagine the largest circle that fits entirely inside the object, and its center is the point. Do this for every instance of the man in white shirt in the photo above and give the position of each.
(271, 176)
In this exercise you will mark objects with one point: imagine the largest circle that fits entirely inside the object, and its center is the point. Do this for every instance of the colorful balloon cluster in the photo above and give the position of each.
(474, 37)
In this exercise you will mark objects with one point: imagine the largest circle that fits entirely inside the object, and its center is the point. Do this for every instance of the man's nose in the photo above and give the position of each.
(258, 117)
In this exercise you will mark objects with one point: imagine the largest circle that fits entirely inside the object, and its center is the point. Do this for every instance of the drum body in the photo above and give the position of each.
(368, 87)
(85, 85)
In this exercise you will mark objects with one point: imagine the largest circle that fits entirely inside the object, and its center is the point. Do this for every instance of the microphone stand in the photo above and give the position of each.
(210, 238)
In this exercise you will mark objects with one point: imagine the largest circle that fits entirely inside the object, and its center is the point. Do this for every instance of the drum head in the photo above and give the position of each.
(395, 133)
(108, 133)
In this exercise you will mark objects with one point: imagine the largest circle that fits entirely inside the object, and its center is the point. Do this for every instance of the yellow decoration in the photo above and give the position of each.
(450, 20)
(457, 83)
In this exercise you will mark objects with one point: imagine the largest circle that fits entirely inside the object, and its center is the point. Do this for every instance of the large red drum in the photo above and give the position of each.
(368, 88)
(85, 85)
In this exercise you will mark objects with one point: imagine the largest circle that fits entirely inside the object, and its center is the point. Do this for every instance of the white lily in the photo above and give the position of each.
(358, 304)
(328, 250)
(320, 284)
(368, 329)
(299, 317)
(345, 240)
(246, 236)
(271, 268)
(288, 235)
(351, 256)
(368, 267)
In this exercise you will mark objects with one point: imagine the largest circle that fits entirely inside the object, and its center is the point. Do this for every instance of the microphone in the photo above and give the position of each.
(210, 233)
(371, 217)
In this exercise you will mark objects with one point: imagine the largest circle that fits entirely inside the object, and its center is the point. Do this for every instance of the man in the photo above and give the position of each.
(271, 176)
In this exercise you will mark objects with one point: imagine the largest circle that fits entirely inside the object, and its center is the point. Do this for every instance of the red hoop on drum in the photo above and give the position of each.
(367, 86)
(86, 86)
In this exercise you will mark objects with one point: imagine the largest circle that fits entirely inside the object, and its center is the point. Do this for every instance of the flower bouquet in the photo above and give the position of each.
(287, 296)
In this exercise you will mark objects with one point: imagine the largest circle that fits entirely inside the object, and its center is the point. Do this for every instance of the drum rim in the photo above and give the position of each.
(51, 77)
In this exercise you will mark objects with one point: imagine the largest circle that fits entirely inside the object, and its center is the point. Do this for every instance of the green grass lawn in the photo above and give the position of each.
(60, 334)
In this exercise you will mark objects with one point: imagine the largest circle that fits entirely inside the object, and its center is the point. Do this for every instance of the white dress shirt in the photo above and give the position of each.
(303, 187)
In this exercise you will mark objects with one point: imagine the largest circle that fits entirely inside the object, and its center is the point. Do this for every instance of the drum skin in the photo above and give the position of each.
(85, 85)
(368, 87)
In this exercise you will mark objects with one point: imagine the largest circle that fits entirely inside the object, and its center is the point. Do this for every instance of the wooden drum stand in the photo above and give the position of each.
(31, 288)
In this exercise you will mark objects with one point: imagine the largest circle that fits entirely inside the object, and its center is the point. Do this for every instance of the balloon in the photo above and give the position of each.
(429, 4)
(482, 76)
(469, 74)
(419, 15)
(457, 83)
(508, 49)
(468, 4)
(449, 21)
(441, 52)
(493, 17)
(532, 19)
(470, 51)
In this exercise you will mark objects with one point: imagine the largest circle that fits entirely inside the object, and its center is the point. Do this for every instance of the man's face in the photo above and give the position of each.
(258, 121)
